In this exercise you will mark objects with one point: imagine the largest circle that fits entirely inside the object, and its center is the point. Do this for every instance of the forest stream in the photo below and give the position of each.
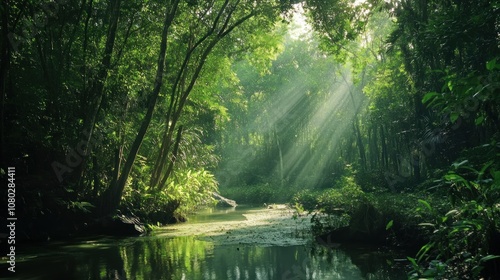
(237, 243)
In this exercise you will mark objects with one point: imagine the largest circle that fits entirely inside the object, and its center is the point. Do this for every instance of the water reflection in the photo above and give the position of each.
(189, 258)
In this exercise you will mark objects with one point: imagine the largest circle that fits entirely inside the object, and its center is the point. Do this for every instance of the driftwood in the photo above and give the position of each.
(222, 201)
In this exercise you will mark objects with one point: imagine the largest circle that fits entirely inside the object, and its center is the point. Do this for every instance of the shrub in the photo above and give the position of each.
(346, 198)
(306, 200)
(259, 194)
(187, 190)
(462, 242)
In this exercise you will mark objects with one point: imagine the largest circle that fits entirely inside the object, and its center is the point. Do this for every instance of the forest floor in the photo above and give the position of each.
(277, 226)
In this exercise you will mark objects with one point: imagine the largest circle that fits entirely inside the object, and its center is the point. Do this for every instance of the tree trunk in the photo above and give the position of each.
(374, 151)
(280, 157)
(173, 158)
(416, 167)
(383, 141)
(359, 141)
(96, 91)
(111, 198)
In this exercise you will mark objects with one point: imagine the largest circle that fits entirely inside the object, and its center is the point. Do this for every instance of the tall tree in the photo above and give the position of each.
(113, 195)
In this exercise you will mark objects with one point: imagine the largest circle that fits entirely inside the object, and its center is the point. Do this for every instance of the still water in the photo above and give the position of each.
(188, 257)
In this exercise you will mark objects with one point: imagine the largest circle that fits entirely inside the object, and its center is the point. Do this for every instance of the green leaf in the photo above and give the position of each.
(457, 165)
(450, 85)
(496, 176)
(423, 251)
(492, 65)
(453, 177)
(425, 203)
(452, 212)
(489, 257)
(426, 224)
(429, 273)
(389, 224)
(481, 172)
(479, 120)
(454, 117)
(429, 96)
(414, 263)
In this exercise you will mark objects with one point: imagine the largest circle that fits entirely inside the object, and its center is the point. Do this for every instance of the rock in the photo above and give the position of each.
(224, 202)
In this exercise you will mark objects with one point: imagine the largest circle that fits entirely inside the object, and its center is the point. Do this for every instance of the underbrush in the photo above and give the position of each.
(258, 194)
(187, 191)
(454, 221)
(393, 215)
(464, 240)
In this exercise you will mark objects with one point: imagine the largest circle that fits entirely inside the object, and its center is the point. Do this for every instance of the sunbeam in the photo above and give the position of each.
(308, 161)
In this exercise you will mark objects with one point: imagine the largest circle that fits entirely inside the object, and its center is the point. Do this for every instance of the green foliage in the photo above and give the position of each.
(82, 206)
(345, 197)
(389, 225)
(323, 223)
(335, 207)
(347, 205)
(460, 243)
(337, 22)
(259, 194)
(188, 190)
(467, 96)
(191, 189)
(398, 212)
(306, 199)
(348, 197)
